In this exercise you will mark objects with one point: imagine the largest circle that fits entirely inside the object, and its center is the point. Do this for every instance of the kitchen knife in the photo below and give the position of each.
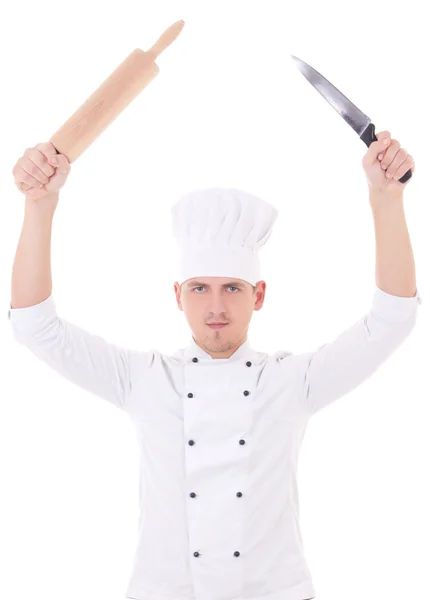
(360, 122)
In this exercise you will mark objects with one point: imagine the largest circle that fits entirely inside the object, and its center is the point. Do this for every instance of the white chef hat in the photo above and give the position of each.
(219, 232)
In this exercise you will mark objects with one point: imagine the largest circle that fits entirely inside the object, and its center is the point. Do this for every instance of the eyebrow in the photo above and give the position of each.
(199, 283)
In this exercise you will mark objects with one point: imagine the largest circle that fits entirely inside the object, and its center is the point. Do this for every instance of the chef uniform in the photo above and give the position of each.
(219, 439)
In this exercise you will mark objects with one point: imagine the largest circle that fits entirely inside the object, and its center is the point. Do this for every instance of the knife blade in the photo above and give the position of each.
(360, 122)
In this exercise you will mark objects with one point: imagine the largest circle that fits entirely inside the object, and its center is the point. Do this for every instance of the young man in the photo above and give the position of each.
(220, 422)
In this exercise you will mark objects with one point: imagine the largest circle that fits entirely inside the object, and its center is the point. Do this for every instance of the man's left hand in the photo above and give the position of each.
(386, 163)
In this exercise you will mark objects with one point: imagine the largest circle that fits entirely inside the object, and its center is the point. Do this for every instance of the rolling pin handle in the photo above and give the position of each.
(166, 39)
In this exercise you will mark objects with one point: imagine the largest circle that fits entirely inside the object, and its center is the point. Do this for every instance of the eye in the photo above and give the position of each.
(201, 287)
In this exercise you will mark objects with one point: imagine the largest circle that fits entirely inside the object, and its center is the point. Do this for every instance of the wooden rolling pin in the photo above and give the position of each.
(111, 98)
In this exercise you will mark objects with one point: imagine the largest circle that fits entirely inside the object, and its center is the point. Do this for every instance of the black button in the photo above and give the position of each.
(195, 359)
(193, 495)
(241, 442)
(239, 494)
(196, 554)
(248, 364)
(190, 395)
(191, 442)
(237, 553)
(246, 393)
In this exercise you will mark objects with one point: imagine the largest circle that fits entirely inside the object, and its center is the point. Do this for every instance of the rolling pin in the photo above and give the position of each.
(111, 98)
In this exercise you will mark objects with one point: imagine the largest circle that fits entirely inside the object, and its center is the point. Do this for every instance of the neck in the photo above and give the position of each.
(222, 353)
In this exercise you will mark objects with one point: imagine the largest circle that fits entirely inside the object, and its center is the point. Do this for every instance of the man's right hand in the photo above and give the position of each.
(37, 168)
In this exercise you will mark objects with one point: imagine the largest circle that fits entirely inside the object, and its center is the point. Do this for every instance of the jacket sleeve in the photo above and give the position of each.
(338, 367)
(83, 358)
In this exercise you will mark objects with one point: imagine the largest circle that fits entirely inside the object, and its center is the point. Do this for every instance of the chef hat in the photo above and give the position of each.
(219, 232)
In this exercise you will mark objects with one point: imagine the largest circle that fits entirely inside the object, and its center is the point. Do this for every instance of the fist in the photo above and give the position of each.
(41, 171)
(385, 162)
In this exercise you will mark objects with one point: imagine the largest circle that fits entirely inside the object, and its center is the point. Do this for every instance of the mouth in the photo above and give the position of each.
(218, 325)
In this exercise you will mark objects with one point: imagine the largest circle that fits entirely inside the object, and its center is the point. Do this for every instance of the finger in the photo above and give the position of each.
(404, 168)
(22, 175)
(397, 161)
(39, 159)
(35, 192)
(390, 155)
(382, 135)
(34, 172)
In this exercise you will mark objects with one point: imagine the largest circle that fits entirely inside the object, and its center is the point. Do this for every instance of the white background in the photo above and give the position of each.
(228, 108)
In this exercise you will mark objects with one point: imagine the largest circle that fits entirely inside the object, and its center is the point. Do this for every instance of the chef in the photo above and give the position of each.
(220, 424)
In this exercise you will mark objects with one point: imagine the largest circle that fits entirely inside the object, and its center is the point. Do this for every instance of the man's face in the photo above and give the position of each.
(207, 300)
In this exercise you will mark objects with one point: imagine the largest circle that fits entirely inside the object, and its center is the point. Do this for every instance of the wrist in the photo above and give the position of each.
(385, 199)
(45, 205)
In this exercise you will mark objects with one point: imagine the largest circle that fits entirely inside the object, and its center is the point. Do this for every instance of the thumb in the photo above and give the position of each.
(379, 146)
(47, 149)
(61, 162)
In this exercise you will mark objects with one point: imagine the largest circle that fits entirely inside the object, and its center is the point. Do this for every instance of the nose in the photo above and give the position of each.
(217, 307)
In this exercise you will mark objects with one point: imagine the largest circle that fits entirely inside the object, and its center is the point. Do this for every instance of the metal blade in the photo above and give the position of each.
(347, 110)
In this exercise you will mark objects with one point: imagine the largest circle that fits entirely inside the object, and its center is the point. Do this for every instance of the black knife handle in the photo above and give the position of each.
(368, 136)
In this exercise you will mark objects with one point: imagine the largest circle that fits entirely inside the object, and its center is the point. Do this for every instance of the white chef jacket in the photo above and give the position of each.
(219, 441)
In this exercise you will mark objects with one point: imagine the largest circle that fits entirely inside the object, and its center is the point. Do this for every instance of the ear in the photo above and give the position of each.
(178, 295)
(260, 295)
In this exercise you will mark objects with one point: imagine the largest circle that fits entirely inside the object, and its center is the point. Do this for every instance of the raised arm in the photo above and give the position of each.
(338, 367)
(82, 357)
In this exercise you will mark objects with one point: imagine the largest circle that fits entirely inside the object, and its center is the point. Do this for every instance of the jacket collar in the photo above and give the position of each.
(194, 350)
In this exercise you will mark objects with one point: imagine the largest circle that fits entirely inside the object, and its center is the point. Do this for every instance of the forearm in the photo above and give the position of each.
(395, 265)
(31, 272)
